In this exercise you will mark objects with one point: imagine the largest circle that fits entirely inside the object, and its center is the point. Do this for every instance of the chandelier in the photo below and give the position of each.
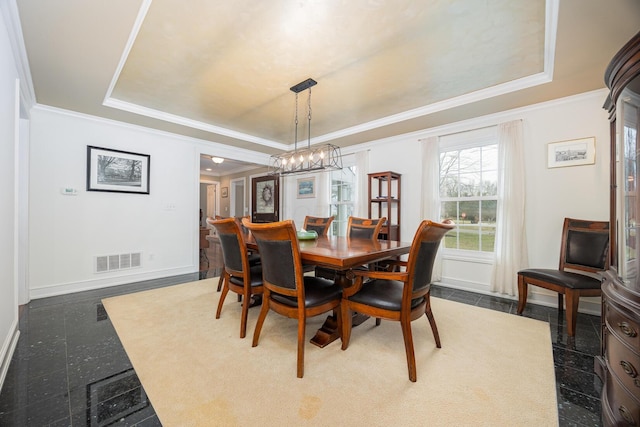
(318, 158)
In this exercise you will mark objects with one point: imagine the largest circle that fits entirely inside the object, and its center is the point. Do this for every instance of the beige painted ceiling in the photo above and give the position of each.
(221, 71)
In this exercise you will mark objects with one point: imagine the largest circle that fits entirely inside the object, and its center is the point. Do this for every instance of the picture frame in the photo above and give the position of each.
(224, 192)
(306, 188)
(117, 171)
(575, 152)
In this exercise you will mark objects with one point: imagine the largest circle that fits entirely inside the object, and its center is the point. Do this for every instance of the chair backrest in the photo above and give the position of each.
(317, 224)
(364, 228)
(423, 252)
(234, 249)
(280, 254)
(585, 245)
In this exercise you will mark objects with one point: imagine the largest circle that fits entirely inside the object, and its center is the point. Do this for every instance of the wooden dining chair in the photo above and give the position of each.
(584, 250)
(287, 291)
(240, 277)
(402, 296)
(254, 258)
(318, 224)
(364, 228)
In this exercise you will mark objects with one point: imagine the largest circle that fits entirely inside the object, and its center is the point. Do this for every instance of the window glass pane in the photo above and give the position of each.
(468, 238)
(470, 160)
(489, 183)
(488, 239)
(469, 212)
(490, 157)
(449, 186)
(448, 162)
(488, 212)
(469, 184)
(449, 210)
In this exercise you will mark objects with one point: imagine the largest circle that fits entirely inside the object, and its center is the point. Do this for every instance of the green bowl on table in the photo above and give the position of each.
(307, 235)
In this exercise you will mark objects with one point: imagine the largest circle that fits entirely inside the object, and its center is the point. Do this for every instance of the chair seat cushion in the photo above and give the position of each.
(256, 277)
(317, 291)
(562, 278)
(385, 294)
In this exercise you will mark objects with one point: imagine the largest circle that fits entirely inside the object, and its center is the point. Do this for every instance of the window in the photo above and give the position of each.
(469, 194)
(343, 192)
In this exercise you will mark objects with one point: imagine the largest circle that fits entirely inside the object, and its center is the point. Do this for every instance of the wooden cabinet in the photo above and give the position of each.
(618, 364)
(384, 201)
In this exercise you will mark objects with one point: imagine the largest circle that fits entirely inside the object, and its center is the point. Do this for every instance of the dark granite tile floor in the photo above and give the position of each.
(70, 369)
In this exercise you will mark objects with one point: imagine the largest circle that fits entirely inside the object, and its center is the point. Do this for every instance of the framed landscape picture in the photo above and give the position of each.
(576, 152)
(117, 171)
(306, 188)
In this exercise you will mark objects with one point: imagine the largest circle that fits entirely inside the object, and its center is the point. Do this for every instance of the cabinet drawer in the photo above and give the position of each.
(622, 326)
(623, 363)
(623, 408)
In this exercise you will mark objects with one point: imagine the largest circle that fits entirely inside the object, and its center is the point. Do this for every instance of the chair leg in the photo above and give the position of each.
(573, 298)
(432, 322)
(405, 323)
(244, 315)
(345, 327)
(378, 321)
(523, 289)
(561, 302)
(225, 291)
(221, 279)
(263, 314)
(302, 323)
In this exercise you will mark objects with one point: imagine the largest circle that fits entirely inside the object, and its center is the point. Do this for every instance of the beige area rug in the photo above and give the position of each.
(494, 369)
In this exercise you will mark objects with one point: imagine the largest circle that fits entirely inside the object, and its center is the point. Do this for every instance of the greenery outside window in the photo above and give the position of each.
(469, 195)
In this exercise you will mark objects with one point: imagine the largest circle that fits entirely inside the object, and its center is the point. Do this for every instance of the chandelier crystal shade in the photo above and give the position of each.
(305, 160)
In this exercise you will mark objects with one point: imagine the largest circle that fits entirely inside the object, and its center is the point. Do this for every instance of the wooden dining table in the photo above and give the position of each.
(342, 254)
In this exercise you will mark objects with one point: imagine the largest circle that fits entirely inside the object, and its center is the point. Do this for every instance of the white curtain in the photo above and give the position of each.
(511, 240)
(430, 188)
(361, 208)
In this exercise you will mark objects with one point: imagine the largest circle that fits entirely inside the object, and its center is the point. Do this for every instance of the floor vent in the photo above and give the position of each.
(106, 263)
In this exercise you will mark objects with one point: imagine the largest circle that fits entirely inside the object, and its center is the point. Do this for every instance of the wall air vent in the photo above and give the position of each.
(106, 263)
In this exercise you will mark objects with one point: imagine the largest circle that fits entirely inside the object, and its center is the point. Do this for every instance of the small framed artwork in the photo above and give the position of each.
(117, 171)
(306, 188)
(576, 152)
(225, 192)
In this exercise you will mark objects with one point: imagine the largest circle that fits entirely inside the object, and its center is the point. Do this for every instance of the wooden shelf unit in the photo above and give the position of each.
(384, 200)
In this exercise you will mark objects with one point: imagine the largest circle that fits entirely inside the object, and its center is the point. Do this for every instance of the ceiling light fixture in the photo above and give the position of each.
(217, 160)
(306, 160)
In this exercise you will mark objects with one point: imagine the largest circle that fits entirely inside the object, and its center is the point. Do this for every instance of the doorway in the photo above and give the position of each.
(238, 206)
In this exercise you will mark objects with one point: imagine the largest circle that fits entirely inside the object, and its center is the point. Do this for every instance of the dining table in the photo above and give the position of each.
(342, 254)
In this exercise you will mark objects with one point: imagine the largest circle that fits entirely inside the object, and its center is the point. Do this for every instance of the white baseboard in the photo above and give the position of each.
(105, 282)
(8, 348)
(588, 305)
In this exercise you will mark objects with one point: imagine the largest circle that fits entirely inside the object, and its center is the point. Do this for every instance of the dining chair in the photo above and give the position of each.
(287, 291)
(240, 277)
(254, 259)
(584, 252)
(318, 224)
(364, 228)
(402, 296)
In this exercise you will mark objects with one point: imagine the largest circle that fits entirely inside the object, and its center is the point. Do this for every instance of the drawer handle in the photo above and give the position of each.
(628, 369)
(627, 329)
(626, 414)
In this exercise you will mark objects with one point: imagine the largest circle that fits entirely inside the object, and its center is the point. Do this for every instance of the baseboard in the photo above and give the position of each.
(588, 305)
(105, 282)
(8, 348)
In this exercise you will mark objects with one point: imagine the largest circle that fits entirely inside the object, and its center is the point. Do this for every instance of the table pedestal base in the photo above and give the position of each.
(329, 332)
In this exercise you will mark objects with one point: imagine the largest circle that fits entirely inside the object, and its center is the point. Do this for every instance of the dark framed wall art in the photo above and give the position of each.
(117, 171)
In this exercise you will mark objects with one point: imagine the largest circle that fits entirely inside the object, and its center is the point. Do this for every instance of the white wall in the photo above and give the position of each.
(67, 232)
(552, 194)
(9, 118)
